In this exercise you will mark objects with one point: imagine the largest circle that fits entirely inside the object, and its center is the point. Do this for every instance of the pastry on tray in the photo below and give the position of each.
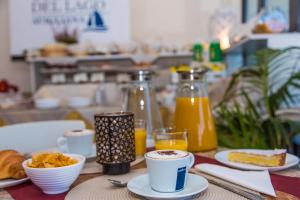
(11, 165)
(265, 158)
(54, 50)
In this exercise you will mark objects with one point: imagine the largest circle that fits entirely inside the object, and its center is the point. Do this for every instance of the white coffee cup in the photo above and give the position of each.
(168, 169)
(77, 142)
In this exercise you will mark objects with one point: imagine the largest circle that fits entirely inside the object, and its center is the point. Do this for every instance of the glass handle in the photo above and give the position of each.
(124, 97)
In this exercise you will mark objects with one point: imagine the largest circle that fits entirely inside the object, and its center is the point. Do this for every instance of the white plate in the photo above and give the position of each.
(46, 103)
(12, 182)
(56, 149)
(79, 102)
(140, 186)
(222, 157)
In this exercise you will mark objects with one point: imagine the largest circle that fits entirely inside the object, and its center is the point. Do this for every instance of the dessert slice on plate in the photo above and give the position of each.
(265, 158)
(256, 159)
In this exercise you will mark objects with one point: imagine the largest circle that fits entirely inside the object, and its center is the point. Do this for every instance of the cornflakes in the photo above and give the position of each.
(51, 160)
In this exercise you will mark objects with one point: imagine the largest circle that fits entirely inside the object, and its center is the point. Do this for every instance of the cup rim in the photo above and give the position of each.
(163, 160)
(167, 130)
(86, 132)
(114, 114)
(140, 123)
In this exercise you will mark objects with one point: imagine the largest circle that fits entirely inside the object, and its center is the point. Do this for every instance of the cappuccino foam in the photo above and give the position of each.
(166, 154)
(79, 132)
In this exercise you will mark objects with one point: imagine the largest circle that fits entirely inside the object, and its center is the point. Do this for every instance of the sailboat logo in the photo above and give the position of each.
(95, 22)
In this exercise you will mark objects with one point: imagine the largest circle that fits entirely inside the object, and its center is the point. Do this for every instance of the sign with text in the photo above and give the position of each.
(34, 23)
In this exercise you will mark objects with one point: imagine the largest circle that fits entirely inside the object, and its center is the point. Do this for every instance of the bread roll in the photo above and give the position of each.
(11, 165)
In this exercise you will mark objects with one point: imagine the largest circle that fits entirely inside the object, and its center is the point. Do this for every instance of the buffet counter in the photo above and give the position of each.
(86, 114)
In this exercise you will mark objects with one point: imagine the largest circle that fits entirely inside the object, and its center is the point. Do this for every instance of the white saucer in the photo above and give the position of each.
(92, 155)
(140, 186)
(12, 182)
(222, 157)
(56, 149)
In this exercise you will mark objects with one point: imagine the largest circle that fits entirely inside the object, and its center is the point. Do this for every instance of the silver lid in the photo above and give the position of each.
(141, 75)
(193, 74)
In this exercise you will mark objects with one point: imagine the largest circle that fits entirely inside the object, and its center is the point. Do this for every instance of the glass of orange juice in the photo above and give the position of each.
(140, 137)
(169, 138)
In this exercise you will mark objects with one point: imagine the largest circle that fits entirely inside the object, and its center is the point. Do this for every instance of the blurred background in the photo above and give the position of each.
(63, 59)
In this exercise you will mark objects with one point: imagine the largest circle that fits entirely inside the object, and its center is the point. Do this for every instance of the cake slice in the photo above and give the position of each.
(265, 158)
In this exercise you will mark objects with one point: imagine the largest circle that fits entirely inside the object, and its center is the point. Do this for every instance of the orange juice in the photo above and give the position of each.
(140, 141)
(194, 114)
(175, 144)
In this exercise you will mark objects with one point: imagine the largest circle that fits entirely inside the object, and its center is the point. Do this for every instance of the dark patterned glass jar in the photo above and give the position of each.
(115, 141)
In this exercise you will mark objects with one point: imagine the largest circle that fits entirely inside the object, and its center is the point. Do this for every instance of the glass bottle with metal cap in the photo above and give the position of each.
(141, 100)
(193, 112)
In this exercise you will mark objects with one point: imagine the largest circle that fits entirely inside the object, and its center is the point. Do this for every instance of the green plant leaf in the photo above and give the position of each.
(246, 118)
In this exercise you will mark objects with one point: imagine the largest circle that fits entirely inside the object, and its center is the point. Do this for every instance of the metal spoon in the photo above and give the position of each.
(117, 183)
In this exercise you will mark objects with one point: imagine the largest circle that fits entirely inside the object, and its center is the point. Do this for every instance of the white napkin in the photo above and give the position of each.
(256, 180)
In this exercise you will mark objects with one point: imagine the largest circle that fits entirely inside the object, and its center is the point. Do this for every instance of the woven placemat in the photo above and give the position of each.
(99, 188)
(5, 195)
(92, 167)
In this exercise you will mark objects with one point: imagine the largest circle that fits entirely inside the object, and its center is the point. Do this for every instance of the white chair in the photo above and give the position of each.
(35, 136)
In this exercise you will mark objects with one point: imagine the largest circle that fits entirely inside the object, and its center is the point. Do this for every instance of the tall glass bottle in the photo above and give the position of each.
(141, 100)
(193, 111)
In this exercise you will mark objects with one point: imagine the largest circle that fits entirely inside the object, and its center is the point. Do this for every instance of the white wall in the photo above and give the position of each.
(158, 20)
(15, 72)
(176, 20)
(151, 20)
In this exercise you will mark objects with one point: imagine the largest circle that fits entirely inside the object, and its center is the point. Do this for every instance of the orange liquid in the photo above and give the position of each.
(140, 141)
(194, 114)
(171, 144)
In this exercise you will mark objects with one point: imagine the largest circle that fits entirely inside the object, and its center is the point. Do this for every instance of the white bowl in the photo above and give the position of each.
(46, 103)
(79, 102)
(55, 180)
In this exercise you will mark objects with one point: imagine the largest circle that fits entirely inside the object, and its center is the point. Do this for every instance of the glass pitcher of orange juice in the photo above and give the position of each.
(193, 112)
